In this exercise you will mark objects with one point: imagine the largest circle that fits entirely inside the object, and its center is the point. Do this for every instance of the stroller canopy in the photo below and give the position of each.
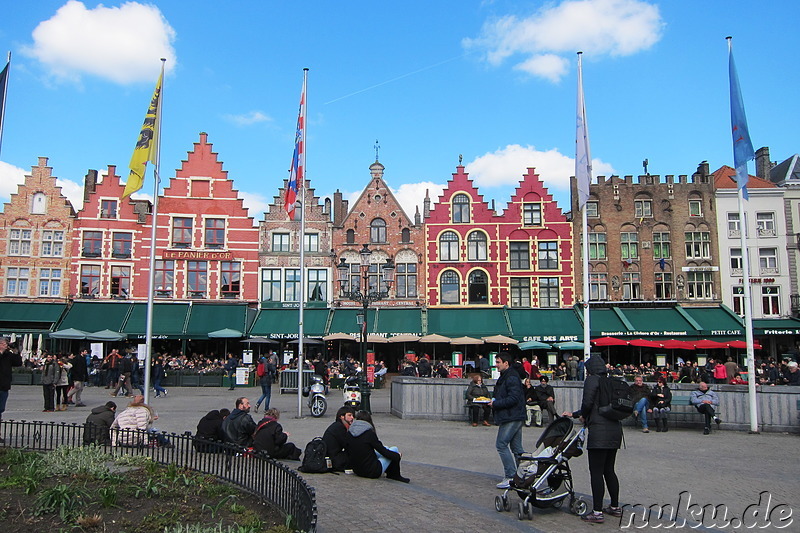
(558, 430)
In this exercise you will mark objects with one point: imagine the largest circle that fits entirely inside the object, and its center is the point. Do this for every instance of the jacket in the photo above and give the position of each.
(639, 392)
(362, 443)
(209, 429)
(8, 359)
(50, 373)
(604, 433)
(476, 391)
(239, 428)
(133, 422)
(661, 403)
(95, 431)
(543, 392)
(335, 439)
(79, 371)
(698, 397)
(63, 374)
(269, 436)
(509, 398)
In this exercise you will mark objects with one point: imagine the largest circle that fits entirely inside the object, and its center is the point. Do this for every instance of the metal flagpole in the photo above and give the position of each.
(152, 274)
(302, 240)
(583, 178)
(5, 99)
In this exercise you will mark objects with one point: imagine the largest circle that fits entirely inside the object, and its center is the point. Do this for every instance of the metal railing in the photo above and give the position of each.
(253, 472)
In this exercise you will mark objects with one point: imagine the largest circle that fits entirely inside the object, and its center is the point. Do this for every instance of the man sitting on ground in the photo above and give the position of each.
(335, 438)
(269, 437)
(706, 402)
(239, 425)
(210, 429)
(95, 431)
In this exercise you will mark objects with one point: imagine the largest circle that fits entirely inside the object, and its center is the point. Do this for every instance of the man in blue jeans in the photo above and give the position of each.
(509, 413)
(641, 401)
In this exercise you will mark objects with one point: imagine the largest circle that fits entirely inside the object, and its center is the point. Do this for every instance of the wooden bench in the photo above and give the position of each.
(686, 407)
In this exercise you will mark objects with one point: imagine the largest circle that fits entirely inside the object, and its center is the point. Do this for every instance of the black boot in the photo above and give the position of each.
(658, 425)
(665, 424)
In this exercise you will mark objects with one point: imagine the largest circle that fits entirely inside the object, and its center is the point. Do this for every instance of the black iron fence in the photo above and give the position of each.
(270, 481)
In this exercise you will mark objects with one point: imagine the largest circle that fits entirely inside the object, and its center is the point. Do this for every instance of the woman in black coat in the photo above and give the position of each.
(661, 400)
(605, 438)
(270, 438)
(368, 456)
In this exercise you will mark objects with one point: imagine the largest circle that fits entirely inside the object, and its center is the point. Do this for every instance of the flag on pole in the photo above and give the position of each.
(742, 146)
(297, 172)
(147, 146)
(583, 157)
(3, 88)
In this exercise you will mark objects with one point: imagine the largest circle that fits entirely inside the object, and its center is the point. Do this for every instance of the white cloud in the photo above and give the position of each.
(506, 167)
(73, 191)
(256, 203)
(122, 44)
(598, 27)
(10, 178)
(247, 119)
(412, 195)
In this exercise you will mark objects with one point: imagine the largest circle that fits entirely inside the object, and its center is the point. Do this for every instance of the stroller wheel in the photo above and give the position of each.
(498, 504)
(521, 514)
(506, 503)
(578, 506)
(527, 510)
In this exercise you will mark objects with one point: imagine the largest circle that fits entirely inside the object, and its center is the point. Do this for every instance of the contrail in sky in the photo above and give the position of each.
(423, 69)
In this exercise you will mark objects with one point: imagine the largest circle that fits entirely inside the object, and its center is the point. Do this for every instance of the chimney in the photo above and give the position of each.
(763, 164)
(89, 184)
(417, 219)
(426, 205)
(701, 176)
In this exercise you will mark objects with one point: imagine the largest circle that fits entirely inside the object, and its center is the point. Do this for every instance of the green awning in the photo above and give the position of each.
(24, 317)
(204, 318)
(776, 326)
(716, 322)
(468, 322)
(393, 322)
(96, 316)
(283, 323)
(665, 322)
(607, 322)
(346, 321)
(545, 325)
(169, 321)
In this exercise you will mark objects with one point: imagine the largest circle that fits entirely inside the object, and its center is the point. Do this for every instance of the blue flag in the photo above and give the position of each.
(3, 87)
(742, 146)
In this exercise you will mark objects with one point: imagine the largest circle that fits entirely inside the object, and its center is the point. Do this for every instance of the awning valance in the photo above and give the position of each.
(97, 316)
(24, 317)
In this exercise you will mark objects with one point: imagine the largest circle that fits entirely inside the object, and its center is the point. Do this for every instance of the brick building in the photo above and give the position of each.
(651, 239)
(520, 258)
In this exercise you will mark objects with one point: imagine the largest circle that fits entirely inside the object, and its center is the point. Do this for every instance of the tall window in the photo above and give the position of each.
(350, 236)
(631, 286)
(548, 292)
(664, 286)
(164, 278)
(271, 285)
(736, 260)
(197, 278)
(449, 287)
(355, 277)
(765, 224)
(230, 273)
(92, 243)
(768, 260)
(548, 255)
(405, 235)
(643, 208)
(52, 243)
(121, 244)
(377, 230)
(50, 282)
(120, 281)
(532, 214)
(311, 242)
(108, 209)
(291, 286)
(17, 280)
(476, 246)
(19, 242)
(461, 206)
(597, 246)
(90, 280)
(592, 209)
(317, 285)
(598, 286)
(699, 285)
(738, 300)
(698, 244)
(695, 208)
(182, 232)
(733, 225)
(661, 245)
(406, 280)
(215, 233)
(448, 246)
(478, 290)
(770, 300)
(629, 244)
(520, 292)
(519, 256)
(280, 242)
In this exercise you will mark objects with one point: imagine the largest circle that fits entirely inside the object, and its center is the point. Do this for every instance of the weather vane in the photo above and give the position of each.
(377, 149)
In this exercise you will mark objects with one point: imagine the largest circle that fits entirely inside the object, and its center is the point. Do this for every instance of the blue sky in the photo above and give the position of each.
(493, 81)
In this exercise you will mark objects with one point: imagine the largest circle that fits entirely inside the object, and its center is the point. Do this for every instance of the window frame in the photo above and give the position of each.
(598, 246)
(547, 255)
(461, 208)
(405, 276)
(197, 279)
(451, 278)
(477, 246)
(48, 278)
(52, 246)
(120, 281)
(643, 208)
(164, 279)
(695, 207)
(474, 295)
(182, 235)
(377, 231)
(20, 242)
(520, 291)
(118, 238)
(519, 255)
(92, 243)
(268, 285)
(549, 292)
(280, 242)
(213, 234)
(532, 214)
(664, 287)
(18, 277)
(93, 278)
(449, 248)
(108, 209)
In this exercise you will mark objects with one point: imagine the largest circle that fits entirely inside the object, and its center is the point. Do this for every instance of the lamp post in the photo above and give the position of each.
(365, 295)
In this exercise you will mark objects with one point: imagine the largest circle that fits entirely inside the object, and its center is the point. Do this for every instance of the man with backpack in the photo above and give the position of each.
(265, 380)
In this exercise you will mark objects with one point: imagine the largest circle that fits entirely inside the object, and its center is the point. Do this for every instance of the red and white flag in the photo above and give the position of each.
(297, 172)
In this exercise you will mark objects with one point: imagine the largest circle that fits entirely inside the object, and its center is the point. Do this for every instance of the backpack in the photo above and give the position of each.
(616, 400)
(260, 370)
(315, 460)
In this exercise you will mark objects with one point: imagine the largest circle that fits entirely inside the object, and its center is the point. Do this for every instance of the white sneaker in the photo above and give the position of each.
(505, 484)
(349, 472)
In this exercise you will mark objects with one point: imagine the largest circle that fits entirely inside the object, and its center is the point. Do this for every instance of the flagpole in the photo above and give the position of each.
(583, 178)
(5, 93)
(742, 153)
(301, 187)
(152, 273)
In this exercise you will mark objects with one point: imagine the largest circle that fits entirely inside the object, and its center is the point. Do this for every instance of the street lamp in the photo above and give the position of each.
(364, 294)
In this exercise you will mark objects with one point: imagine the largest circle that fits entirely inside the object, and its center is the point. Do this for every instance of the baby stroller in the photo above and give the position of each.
(543, 478)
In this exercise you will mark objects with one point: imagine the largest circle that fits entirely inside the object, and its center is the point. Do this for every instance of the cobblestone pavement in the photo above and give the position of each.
(453, 469)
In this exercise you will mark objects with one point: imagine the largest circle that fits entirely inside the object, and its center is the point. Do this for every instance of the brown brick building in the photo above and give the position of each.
(650, 239)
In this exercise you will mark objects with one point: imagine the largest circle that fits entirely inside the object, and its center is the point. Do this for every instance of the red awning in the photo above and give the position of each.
(644, 343)
(706, 344)
(742, 345)
(673, 344)
(609, 341)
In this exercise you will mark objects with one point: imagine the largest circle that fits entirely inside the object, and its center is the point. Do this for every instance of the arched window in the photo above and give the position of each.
(476, 246)
(478, 287)
(460, 208)
(405, 235)
(377, 230)
(448, 246)
(351, 236)
(448, 287)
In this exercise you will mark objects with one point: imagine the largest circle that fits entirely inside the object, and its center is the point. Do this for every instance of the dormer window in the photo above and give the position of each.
(460, 208)
(108, 209)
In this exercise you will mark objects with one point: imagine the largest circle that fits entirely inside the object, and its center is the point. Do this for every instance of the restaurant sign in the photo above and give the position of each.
(664, 333)
(551, 338)
(200, 255)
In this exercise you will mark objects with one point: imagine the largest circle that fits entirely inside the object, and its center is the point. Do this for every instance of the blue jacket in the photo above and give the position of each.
(698, 397)
(509, 398)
